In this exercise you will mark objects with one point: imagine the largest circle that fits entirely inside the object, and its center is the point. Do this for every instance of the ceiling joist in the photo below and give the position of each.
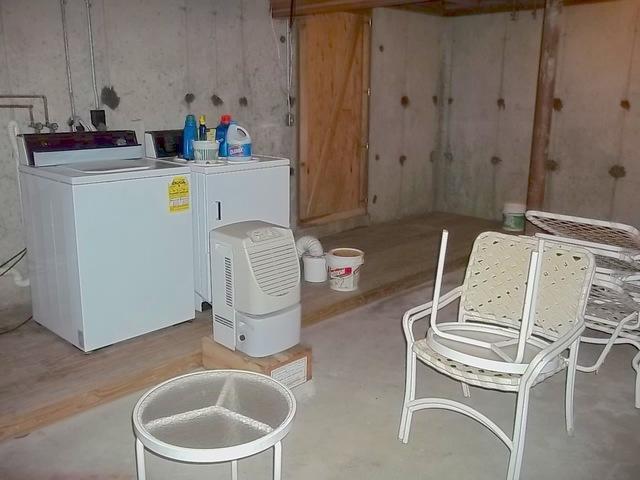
(446, 8)
(282, 8)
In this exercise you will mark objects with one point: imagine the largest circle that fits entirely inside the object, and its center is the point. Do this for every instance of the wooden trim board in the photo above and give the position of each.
(372, 295)
(24, 423)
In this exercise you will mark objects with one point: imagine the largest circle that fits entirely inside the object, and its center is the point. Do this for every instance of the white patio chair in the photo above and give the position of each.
(613, 307)
(615, 236)
(521, 307)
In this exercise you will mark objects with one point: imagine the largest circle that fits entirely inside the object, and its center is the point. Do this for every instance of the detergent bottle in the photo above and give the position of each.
(221, 135)
(189, 134)
(238, 144)
(202, 128)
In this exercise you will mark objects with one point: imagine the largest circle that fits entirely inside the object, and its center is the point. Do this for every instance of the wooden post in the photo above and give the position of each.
(544, 102)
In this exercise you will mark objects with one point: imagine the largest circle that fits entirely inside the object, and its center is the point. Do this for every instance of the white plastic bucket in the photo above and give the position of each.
(513, 218)
(315, 268)
(344, 268)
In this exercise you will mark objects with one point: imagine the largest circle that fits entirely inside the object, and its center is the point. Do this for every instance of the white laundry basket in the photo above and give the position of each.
(205, 151)
(344, 268)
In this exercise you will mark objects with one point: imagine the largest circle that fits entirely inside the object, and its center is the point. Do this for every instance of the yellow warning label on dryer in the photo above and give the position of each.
(179, 194)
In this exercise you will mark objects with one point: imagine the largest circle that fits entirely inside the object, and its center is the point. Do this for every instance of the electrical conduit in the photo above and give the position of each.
(93, 61)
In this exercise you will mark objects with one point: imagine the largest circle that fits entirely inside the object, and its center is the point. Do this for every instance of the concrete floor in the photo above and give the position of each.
(347, 421)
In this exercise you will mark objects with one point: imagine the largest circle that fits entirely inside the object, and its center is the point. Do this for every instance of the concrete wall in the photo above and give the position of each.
(496, 56)
(152, 53)
(461, 142)
(405, 62)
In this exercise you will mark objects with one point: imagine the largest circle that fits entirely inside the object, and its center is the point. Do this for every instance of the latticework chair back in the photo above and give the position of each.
(611, 234)
(496, 279)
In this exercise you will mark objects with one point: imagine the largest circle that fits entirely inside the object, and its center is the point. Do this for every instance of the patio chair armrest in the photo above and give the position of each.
(632, 278)
(424, 310)
(550, 352)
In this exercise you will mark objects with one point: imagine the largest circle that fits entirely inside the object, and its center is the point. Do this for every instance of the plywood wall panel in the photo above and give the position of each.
(332, 53)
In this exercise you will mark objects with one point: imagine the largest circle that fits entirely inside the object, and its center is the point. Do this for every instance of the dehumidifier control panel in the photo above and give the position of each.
(263, 234)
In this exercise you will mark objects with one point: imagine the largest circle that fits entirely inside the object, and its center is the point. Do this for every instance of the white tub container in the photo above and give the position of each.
(315, 268)
(513, 219)
(344, 268)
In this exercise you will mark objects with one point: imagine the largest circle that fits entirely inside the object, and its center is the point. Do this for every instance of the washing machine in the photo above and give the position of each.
(109, 236)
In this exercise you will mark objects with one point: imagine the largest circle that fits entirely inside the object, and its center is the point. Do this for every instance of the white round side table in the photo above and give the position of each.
(214, 416)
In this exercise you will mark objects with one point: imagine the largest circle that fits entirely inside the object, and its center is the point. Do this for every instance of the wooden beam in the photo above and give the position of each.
(446, 8)
(436, 8)
(282, 8)
(458, 8)
(551, 28)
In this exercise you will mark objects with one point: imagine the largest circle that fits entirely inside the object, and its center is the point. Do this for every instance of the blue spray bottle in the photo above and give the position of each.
(189, 134)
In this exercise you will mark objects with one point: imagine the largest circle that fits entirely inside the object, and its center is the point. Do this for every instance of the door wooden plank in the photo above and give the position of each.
(333, 111)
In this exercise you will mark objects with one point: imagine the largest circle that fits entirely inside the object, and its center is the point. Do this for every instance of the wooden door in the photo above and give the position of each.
(333, 59)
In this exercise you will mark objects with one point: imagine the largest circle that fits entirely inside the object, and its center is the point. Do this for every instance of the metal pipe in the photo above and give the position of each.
(66, 57)
(551, 28)
(22, 105)
(45, 106)
(93, 61)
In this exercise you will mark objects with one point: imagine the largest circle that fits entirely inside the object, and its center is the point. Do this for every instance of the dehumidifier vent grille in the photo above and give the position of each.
(276, 268)
(228, 282)
(223, 321)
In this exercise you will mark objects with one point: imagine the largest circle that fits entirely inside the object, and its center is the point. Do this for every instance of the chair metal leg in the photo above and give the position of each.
(608, 344)
(234, 470)
(465, 390)
(570, 386)
(140, 460)
(519, 430)
(622, 339)
(409, 396)
(635, 363)
(277, 461)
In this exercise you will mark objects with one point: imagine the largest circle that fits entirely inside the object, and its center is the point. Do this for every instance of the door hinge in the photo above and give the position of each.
(369, 91)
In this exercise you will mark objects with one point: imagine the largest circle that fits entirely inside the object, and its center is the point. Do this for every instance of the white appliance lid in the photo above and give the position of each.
(258, 162)
(107, 166)
(107, 171)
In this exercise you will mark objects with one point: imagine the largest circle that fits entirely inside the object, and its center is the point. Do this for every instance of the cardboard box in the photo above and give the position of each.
(291, 367)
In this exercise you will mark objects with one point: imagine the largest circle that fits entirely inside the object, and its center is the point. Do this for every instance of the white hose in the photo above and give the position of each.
(310, 245)
(18, 279)
(14, 131)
